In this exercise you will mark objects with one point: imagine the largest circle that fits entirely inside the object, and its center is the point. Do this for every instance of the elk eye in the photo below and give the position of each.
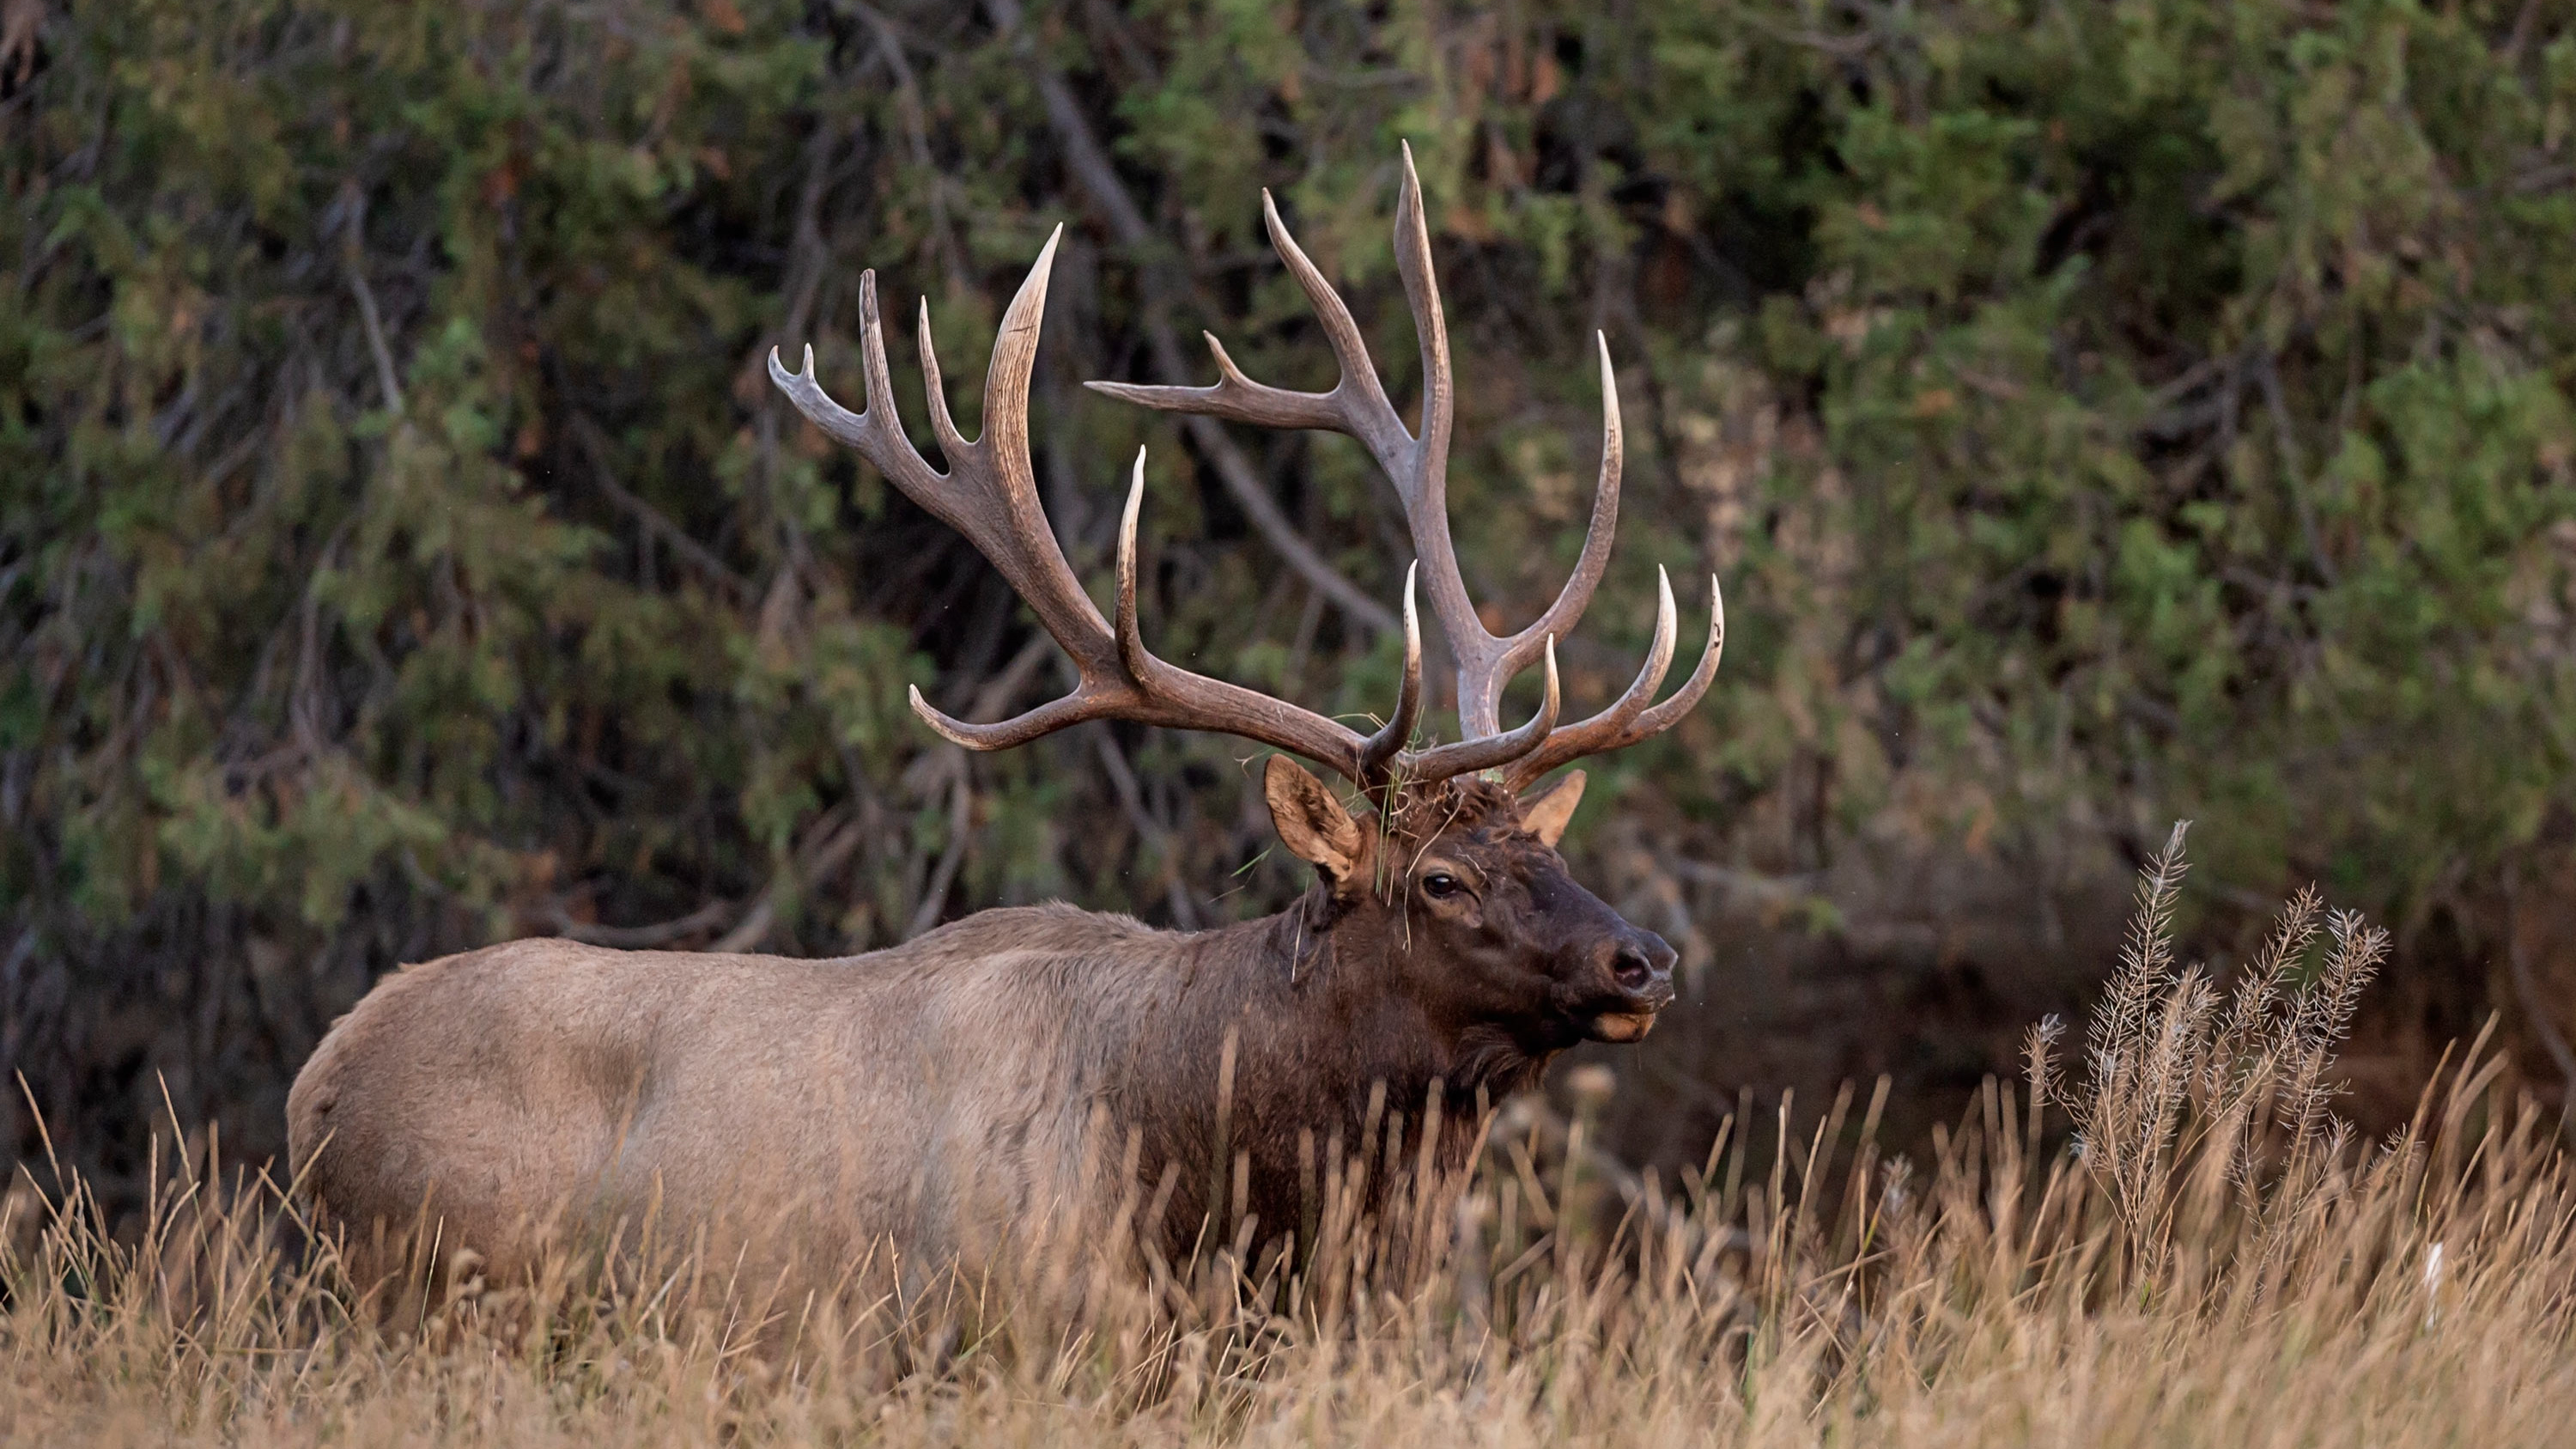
(1439, 885)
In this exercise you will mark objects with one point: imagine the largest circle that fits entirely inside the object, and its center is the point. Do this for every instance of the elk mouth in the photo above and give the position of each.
(1642, 986)
(1621, 1026)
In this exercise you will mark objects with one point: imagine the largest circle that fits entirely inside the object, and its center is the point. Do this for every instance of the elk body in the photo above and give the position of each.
(937, 1098)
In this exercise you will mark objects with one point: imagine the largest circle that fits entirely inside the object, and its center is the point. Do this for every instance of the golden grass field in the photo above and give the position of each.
(2213, 1260)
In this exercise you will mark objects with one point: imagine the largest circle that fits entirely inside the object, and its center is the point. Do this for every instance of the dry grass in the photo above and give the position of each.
(2215, 1262)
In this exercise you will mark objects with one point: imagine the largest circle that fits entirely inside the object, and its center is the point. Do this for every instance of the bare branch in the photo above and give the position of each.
(353, 259)
(640, 938)
(594, 445)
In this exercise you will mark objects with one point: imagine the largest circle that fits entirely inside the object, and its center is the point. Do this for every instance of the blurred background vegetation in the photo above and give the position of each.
(2098, 413)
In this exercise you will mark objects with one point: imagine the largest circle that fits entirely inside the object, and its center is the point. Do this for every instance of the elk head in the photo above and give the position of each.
(1461, 897)
(1449, 861)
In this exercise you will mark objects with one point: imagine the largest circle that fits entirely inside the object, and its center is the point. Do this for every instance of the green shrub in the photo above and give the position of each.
(2097, 413)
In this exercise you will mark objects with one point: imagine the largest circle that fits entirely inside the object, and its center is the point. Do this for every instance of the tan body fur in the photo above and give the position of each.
(1024, 1071)
(927, 1096)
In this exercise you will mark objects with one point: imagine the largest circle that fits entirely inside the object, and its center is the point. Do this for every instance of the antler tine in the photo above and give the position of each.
(1383, 747)
(1431, 330)
(1178, 697)
(1423, 479)
(1629, 719)
(1044, 720)
(1363, 410)
(1489, 751)
(873, 431)
(1584, 738)
(1357, 405)
(1663, 716)
(1594, 560)
(990, 495)
(1418, 467)
(1234, 397)
(943, 427)
(1132, 654)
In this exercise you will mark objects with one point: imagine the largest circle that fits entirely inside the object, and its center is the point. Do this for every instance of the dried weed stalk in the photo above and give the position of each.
(2220, 1263)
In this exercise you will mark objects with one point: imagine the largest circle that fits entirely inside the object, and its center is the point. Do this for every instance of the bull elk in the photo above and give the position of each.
(933, 1095)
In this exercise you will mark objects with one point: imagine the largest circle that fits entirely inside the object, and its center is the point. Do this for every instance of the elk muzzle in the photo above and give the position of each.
(1638, 967)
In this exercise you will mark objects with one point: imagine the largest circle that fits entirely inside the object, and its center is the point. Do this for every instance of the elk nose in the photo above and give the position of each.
(1642, 965)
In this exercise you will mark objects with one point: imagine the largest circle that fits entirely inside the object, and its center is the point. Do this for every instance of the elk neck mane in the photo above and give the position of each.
(1311, 1000)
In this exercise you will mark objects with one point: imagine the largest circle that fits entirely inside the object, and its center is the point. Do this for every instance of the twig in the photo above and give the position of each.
(1131, 799)
(2519, 38)
(2179, 386)
(807, 252)
(992, 701)
(907, 94)
(353, 257)
(754, 929)
(961, 806)
(819, 857)
(1750, 882)
(1841, 47)
(636, 938)
(2544, 178)
(2526, 990)
(594, 443)
(375, 327)
(2268, 375)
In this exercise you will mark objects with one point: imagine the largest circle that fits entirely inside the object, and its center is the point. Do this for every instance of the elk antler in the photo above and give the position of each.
(1419, 469)
(989, 494)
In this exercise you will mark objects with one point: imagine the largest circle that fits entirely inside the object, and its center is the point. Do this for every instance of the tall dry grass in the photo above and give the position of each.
(2212, 1259)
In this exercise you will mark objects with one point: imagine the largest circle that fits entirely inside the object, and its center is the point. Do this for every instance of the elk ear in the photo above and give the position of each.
(1311, 823)
(1547, 813)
